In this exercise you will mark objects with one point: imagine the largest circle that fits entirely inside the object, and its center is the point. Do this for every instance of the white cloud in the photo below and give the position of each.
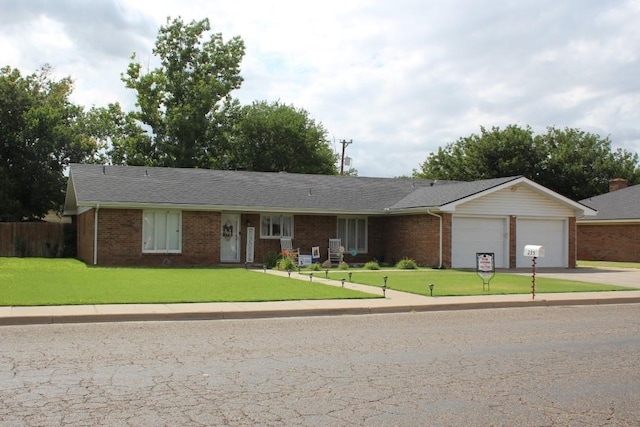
(398, 78)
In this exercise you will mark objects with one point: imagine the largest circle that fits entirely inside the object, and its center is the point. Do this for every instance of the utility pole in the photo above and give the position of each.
(344, 145)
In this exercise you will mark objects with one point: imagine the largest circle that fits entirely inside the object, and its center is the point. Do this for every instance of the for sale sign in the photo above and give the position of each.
(485, 267)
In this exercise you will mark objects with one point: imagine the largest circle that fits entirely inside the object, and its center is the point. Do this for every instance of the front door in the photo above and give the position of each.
(230, 238)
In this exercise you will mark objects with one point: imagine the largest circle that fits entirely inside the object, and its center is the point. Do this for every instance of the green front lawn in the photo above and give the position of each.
(43, 281)
(457, 283)
(608, 264)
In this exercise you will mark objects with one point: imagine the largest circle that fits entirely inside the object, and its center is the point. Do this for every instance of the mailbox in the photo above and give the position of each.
(533, 251)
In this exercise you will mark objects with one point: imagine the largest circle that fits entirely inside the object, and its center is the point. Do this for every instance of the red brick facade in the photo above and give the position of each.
(611, 242)
(573, 248)
(390, 239)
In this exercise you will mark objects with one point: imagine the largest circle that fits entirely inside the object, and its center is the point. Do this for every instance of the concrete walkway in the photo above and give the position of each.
(394, 302)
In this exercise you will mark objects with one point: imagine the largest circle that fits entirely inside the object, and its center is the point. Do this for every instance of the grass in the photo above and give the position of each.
(608, 264)
(42, 281)
(458, 283)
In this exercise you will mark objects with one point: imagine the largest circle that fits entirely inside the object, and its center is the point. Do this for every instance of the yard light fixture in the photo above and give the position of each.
(431, 288)
(264, 268)
(342, 280)
(289, 272)
(326, 273)
(246, 265)
(310, 277)
(350, 273)
(384, 286)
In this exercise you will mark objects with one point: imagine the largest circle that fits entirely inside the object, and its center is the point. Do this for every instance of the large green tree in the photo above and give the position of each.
(273, 137)
(572, 162)
(41, 132)
(185, 104)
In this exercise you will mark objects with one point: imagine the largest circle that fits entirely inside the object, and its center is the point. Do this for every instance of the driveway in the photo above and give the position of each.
(608, 276)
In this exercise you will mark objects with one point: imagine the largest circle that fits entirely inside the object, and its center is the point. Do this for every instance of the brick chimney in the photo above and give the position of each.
(618, 184)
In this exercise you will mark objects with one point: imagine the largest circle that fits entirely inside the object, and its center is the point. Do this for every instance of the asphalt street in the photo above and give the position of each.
(536, 366)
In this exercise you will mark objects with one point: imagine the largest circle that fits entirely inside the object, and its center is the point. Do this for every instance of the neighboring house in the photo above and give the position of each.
(614, 233)
(128, 215)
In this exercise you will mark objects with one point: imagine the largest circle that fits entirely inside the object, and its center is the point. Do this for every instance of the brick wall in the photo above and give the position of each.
(573, 250)
(390, 239)
(308, 231)
(412, 236)
(200, 238)
(614, 242)
(447, 222)
(120, 239)
(85, 237)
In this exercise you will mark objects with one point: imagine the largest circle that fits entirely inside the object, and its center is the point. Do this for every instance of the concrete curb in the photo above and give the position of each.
(301, 312)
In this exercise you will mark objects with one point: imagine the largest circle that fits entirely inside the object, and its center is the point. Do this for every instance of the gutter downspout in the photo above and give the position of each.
(95, 235)
(439, 234)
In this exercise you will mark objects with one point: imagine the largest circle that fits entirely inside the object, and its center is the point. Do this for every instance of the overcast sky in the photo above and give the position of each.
(398, 78)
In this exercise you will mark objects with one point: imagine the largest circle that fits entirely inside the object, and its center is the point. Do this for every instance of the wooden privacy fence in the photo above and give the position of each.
(31, 239)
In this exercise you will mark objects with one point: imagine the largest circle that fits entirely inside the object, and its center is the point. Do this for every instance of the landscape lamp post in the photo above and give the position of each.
(350, 273)
(342, 282)
(431, 288)
(384, 286)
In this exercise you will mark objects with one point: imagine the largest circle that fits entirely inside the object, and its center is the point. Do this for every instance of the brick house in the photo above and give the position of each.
(614, 233)
(128, 215)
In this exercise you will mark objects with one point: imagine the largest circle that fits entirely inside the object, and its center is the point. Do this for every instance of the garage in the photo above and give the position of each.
(479, 234)
(550, 233)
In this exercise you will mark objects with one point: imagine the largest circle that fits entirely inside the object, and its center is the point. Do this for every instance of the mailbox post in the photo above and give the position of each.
(533, 251)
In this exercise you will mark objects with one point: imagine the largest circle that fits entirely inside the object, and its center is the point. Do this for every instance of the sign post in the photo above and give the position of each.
(533, 251)
(485, 267)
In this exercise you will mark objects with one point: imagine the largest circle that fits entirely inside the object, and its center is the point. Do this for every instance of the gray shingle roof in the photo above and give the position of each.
(621, 204)
(137, 185)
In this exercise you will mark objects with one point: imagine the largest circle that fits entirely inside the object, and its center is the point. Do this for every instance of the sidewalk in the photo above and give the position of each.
(394, 302)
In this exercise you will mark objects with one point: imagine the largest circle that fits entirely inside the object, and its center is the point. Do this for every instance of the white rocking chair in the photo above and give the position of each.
(286, 246)
(335, 251)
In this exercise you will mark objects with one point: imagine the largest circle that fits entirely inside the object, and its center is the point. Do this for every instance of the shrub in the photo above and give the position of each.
(343, 266)
(286, 263)
(271, 260)
(407, 264)
(314, 267)
(372, 265)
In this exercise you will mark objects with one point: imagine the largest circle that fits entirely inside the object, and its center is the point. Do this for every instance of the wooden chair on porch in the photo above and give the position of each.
(286, 248)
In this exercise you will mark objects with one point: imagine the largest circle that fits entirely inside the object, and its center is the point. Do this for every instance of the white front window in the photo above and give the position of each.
(162, 231)
(352, 231)
(276, 226)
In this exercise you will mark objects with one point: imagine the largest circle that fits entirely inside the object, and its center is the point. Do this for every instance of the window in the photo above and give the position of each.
(352, 232)
(162, 231)
(276, 226)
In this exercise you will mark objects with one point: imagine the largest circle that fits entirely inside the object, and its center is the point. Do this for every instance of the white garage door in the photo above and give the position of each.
(552, 234)
(472, 235)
